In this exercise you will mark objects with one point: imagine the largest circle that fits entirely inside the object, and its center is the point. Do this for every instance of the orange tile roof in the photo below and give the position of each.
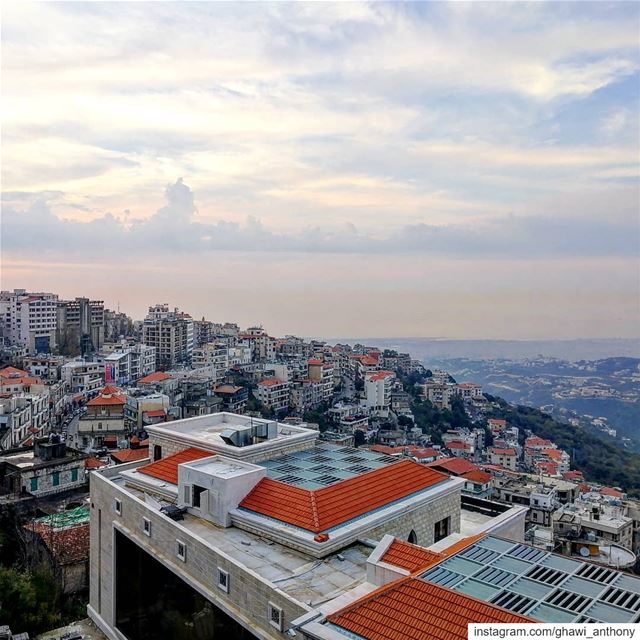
(480, 477)
(156, 376)
(270, 382)
(331, 506)
(315, 362)
(383, 448)
(94, 463)
(167, 468)
(456, 466)
(8, 372)
(410, 556)
(503, 452)
(155, 413)
(108, 395)
(380, 375)
(412, 609)
(130, 455)
(608, 491)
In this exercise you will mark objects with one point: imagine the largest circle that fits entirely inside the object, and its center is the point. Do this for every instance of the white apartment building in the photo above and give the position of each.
(82, 376)
(171, 333)
(322, 372)
(273, 393)
(130, 364)
(213, 354)
(30, 319)
(377, 388)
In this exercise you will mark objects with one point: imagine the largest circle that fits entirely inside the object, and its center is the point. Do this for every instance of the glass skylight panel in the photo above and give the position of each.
(568, 600)
(546, 575)
(585, 587)
(511, 564)
(627, 582)
(441, 576)
(495, 544)
(461, 565)
(479, 554)
(558, 562)
(524, 552)
(513, 601)
(597, 573)
(547, 613)
(608, 613)
(530, 588)
(495, 576)
(621, 598)
(477, 589)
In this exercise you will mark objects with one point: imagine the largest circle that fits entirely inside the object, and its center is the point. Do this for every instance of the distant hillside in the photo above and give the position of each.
(599, 460)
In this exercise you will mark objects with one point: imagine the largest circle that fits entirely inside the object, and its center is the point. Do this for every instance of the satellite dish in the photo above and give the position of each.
(584, 552)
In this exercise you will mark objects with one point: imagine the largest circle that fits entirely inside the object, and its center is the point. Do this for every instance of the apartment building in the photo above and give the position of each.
(104, 418)
(232, 540)
(82, 377)
(378, 387)
(322, 373)
(273, 393)
(171, 333)
(212, 354)
(507, 458)
(129, 364)
(439, 393)
(80, 326)
(30, 320)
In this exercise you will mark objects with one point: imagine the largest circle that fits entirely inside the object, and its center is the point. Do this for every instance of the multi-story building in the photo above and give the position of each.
(171, 333)
(44, 469)
(273, 393)
(117, 325)
(82, 377)
(306, 394)
(439, 393)
(468, 390)
(104, 417)
(204, 331)
(129, 364)
(322, 373)
(30, 319)
(378, 387)
(507, 458)
(80, 326)
(234, 397)
(231, 541)
(212, 354)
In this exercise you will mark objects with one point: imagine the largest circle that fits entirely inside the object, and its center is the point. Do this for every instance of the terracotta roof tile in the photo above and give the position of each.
(456, 466)
(331, 506)
(167, 468)
(157, 376)
(412, 609)
(480, 477)
(108, 395)
(130, 455)
(410, 556)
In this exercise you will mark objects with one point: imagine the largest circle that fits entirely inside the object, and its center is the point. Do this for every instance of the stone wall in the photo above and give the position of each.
(249, 594)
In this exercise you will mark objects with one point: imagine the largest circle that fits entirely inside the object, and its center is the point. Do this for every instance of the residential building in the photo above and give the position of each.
(46, 468)
(468, 390)
(82, 377)
(104, 417)
(507, 458)
(378, 387)
(273, 393)
(439, 393)
(171, 333)
(117, 325)
(322, 373)
(80, 326)
(129, 364)
(234, 397)
(30, 320)
(212, 354)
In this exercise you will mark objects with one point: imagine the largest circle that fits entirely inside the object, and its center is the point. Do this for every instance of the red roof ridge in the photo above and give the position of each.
(167, 468)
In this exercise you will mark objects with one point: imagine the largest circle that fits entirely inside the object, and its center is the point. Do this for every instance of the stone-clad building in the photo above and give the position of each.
(240, 525)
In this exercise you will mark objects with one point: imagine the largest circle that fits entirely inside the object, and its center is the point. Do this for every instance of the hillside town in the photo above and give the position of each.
(114, 430)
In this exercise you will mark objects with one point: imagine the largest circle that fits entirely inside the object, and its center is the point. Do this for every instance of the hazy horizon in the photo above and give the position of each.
(467, 170)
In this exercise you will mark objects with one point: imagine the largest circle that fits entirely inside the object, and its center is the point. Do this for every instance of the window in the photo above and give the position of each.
(413, 538)
(34, 484)
(223, 580)
(181, 550)
(157, 452)
(186, 491)
(74, 475)
(275, 616)
(117, 506)
(441, 529)
(56, 478)
(146, 526)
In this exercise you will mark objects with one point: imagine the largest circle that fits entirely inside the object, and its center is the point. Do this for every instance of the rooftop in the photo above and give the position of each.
(324, 465)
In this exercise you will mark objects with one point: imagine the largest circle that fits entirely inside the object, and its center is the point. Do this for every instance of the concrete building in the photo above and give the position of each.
(378, 387)
(30, 320)
(129, 364)
(44, 469)
(322, 373)
(234, 398)
(171, 333)
(273, 393)
(80, 326)
(253, 545)
(439, 393)
(212, 354)
(104, 417)
(507, 458)
(82, 377)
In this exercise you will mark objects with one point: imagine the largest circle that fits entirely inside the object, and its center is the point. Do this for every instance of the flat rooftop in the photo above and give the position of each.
(309, 580)
(324, 465)
(206, 431)
(538, 584)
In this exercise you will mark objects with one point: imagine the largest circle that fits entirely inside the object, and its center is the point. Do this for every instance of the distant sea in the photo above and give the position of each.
(443, 348)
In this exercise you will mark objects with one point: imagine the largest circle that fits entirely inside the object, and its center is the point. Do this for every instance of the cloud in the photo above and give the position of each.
(175, 229)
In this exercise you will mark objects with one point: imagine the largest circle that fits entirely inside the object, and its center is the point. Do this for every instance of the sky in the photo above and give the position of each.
(463, 170)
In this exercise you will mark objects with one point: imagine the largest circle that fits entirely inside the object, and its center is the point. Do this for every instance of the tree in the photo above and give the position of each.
(359, 438)
(405, 421)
